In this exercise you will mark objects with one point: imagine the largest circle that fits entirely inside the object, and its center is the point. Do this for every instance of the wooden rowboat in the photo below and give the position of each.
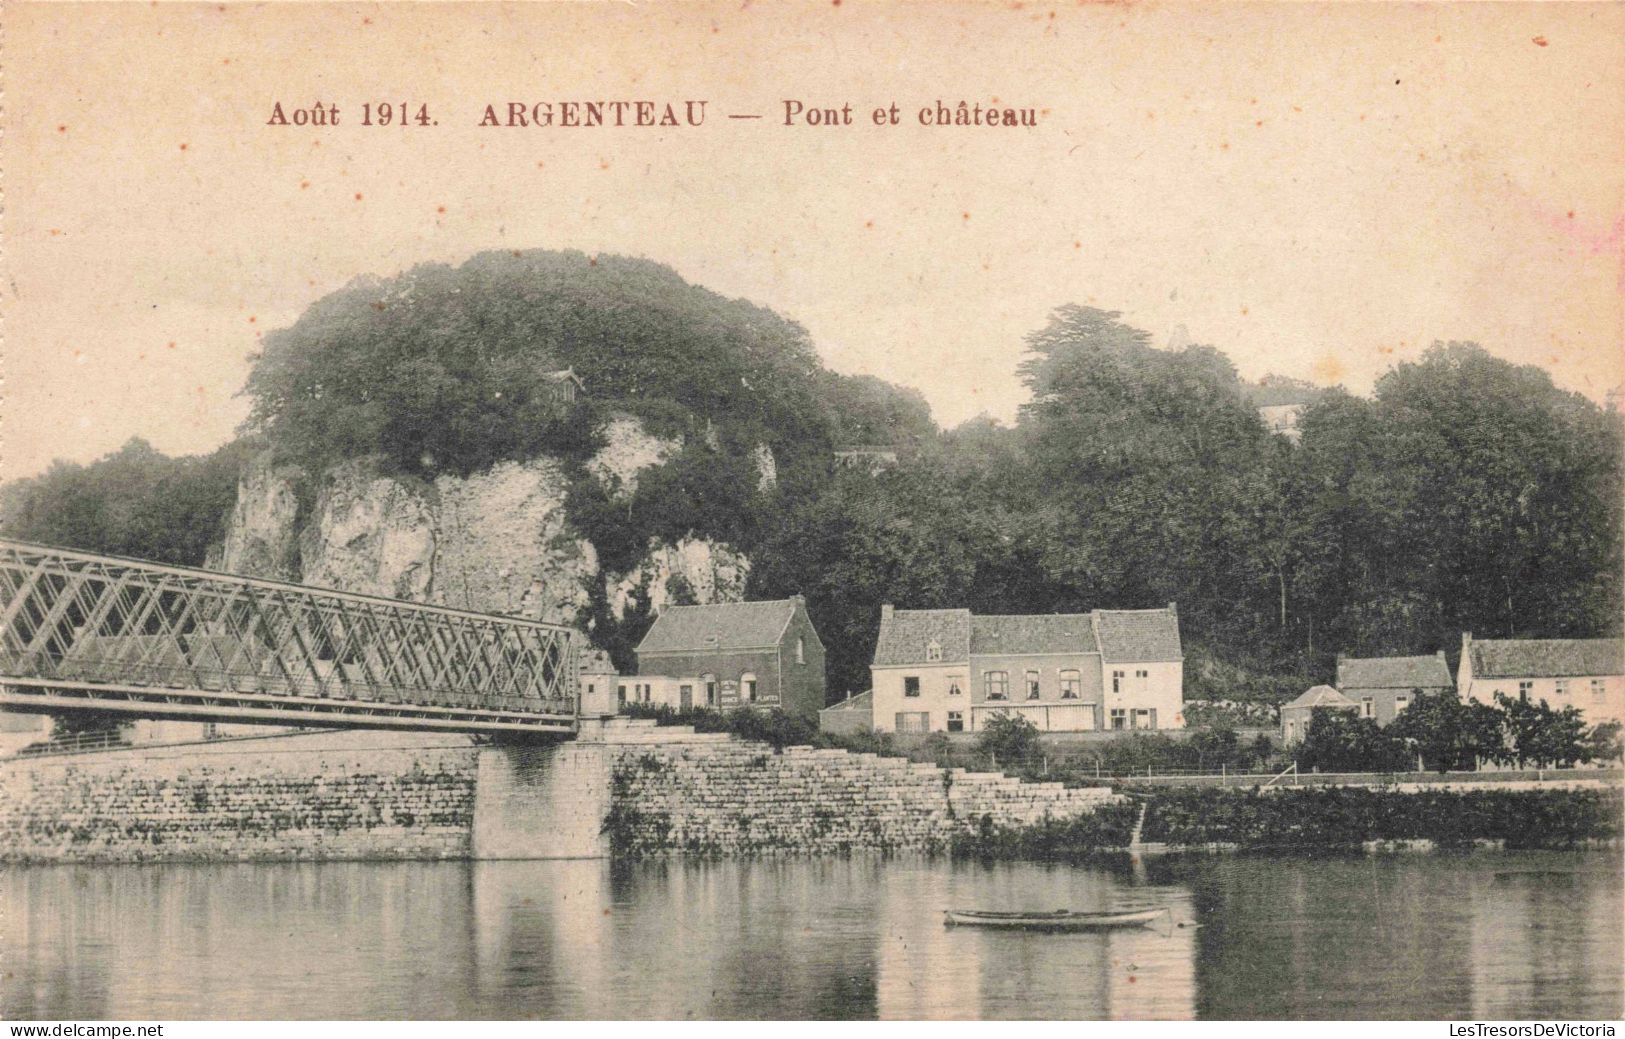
(1059, 920)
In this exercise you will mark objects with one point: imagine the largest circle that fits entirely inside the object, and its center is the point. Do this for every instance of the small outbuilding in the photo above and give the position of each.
(854, 714)
(1295, 715)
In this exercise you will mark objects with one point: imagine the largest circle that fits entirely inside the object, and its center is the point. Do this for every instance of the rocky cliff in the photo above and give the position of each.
(497, 541)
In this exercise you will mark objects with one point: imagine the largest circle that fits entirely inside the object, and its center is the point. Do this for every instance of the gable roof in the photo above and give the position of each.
(1139, 636)
(1546, 658)
(719, 627)
(1014, 634)
(1321, 696)
(864, 701)
(905, 635)
(1393, 673)
(1135, 636)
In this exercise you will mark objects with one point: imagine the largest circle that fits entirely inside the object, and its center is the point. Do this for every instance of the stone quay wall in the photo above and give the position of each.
(676, 791)
(358, 795)
(625, 787)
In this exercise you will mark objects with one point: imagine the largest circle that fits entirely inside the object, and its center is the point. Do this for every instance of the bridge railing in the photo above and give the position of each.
(73, 618)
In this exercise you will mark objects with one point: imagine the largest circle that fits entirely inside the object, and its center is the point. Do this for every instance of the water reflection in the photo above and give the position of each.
(1408, 937)
(1477, 936)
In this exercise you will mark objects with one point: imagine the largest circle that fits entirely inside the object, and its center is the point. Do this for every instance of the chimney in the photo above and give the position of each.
(1466, 640)
(885, 612)
(1440, 654)
(1173, 608)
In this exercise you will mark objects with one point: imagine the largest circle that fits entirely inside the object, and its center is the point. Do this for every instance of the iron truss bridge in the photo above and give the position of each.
(88, 632)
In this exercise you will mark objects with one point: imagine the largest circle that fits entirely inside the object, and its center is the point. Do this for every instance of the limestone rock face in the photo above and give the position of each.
(369, 534)
(628, 450)
(713, 572)
(505, 546)
(767, 468)
(497, 541)
(262, 536)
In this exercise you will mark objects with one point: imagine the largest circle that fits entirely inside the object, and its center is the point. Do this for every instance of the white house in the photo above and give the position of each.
(1584, 673)
(949, 670)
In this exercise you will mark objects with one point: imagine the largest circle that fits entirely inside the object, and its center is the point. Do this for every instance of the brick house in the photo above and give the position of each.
(1381, 687)
(949, 670)
(1584, 673)
(728, 655)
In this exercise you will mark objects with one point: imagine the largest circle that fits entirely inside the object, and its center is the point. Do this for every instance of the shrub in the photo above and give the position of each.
(1342, 817)
(1009, 738)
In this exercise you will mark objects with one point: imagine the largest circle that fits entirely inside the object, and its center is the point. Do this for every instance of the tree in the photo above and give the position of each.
(135, 502)
(1150, 465)
(450, 368)
(1216, 746)
(1449, 734)
(1603, 742)
(1540, 735)
(1009, 738)
(1340, 741)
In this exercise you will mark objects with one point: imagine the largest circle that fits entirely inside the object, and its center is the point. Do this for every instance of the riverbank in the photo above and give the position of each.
(1334, 819)
(624, 788)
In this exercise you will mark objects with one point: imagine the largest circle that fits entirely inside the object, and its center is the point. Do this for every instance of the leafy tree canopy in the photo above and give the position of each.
(134, 502)
(450, 368)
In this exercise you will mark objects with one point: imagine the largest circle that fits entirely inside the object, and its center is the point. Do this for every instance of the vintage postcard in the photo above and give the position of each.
(829, 510)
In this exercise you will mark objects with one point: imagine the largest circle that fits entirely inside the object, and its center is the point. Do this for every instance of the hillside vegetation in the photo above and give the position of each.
(1466, 493)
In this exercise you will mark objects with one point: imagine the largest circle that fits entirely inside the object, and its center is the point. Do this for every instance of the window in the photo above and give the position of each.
(747, 685)
(646, 689)
(801, 650)
(1117, 681)
(1143, 719)
(1142, 675)
(1597, 689)
(996, 685)
(1525, 688)
(1401, 702)
(956, 721)
(710, 683)
(620, 695)
(1071, 685)
(956, 685)
(1119, 718)
(913, 721)
(934, 650)
(1032, 685)
(1562, 687)
(911, 685)
(1366, 708)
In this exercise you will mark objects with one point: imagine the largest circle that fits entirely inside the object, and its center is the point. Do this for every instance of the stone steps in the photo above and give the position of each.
(739, 796)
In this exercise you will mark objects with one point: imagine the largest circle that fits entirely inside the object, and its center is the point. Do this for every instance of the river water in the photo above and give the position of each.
(1473, 936)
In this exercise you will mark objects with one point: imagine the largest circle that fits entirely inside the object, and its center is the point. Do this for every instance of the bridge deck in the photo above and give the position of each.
(85, 632)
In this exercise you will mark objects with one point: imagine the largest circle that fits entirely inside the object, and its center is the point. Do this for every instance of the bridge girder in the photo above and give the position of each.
(80, 631)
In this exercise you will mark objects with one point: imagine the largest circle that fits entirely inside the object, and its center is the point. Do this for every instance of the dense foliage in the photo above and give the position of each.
(1441, 732)
(451, 368)
(134, 502)
(1315, 819)
(1331, 817)
(1465, 493)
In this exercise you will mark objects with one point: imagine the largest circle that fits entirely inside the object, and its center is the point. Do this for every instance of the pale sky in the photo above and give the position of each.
(1318, 191)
